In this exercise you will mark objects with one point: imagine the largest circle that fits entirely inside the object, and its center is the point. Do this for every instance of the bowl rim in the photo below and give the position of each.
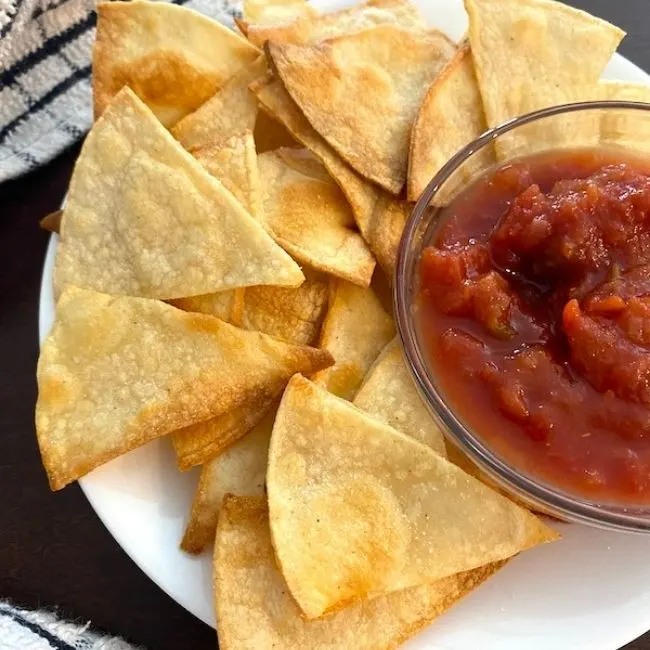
(533, 491)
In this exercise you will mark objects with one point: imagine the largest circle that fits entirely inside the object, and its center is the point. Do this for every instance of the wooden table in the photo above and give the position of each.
(54, 551)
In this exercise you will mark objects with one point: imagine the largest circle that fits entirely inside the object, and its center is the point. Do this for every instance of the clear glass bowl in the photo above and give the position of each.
(621, 124)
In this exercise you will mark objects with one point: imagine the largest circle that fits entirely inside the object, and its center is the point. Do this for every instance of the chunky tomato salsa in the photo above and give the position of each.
(534, 305)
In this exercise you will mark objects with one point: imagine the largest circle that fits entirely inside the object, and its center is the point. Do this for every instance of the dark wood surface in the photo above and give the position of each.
(54, 552)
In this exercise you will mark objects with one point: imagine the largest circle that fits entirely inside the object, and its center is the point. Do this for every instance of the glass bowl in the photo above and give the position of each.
(615, 123)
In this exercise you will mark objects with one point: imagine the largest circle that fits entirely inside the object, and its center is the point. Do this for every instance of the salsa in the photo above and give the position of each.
(534, 306)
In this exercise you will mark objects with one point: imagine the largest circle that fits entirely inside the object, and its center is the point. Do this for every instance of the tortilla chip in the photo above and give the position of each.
(318, 27)
(451, 116)
(358, 509)
(355, 331)
(311, 219)
(388, 394)
(270, 134)
(351, 87)
(292, 315)
(625, 128)
(530, 54)
(172, 57)
(255, 368)
(385, 232)
(144, 218)
(52, 222)
(255, 610)
(361, 195)
(231, 111)
(240, 470)
(274, 12)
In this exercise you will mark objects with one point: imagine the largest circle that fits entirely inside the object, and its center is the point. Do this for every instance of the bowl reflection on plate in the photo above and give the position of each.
(630, 123)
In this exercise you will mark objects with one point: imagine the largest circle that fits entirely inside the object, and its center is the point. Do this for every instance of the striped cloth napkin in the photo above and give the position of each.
(45, 88)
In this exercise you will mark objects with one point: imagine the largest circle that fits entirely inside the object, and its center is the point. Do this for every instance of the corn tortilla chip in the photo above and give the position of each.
(355, 331)
(385, 230)
(292, 315)
(319, 27)
(451, 116)
(358, 509)
(172, 57)
(311, 219)
(240, 470)
(273, 12)
(626, 128)
(255, 368)
(247, 582)
(352, 87)
(530, 54)
(231, 111)
(388, 393)
(144, 218)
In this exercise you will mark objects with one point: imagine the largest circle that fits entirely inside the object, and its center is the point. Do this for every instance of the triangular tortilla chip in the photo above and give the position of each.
(144, 218)
(358, 509)
(361, 195)
(351, 87)
(626, 128)
(232, 111)
(256, 368)
(255, 610)
(530, 54)
(318, 27)
(385, 230)
(311, 219)
(389, 394)
(240, 470)
(450, 117)
(172, 57)
(355, 331)
(292, 315)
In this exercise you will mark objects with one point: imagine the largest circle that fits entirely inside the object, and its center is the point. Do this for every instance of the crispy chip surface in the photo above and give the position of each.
(626, 128)
(450, 117)
(359, 509)
(240, 470)
(314, 27)
(385, 230)
(144, 218)
(309, 216)
(355, 331)
(273, 12)
(172, 57)
(530, 54)
(361, 195)
(389, 394)
(247, 581)
(116, 372)
(353, 87)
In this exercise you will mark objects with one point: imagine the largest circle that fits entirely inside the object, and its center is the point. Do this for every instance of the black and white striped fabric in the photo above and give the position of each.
(45, 90)
(22, 629)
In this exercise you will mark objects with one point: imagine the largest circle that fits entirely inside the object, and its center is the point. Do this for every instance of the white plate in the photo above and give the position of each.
(590, 591)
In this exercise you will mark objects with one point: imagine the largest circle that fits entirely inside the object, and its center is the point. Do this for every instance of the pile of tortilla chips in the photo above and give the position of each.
(217, 284)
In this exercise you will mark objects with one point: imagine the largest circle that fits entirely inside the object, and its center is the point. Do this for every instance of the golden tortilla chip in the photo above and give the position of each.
(451, 116)
(355, 331)
(626, 128)
(144, 218)
(52, 222)
(240, 470)
(292, 315)
(319, 27)
(172, 57)
(108, 383)
(358, 509)
(255, 610)
(311, 219)
(361, 195)
(362, 93)
(231, 111)
(385, 231)
(388, 394)
(530, 54)
(273, 12)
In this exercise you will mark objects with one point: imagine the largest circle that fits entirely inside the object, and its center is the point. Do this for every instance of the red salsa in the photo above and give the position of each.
(534, 305)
